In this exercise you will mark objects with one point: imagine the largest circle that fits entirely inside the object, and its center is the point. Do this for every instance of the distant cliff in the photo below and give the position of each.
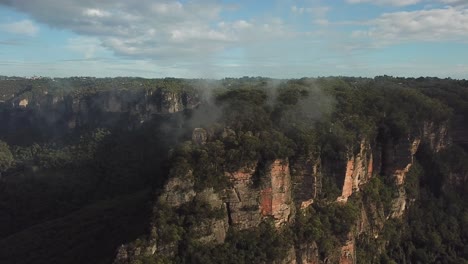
(317, 171)
(40, 112)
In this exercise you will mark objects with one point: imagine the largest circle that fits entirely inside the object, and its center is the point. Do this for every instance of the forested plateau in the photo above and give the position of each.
(238, 170)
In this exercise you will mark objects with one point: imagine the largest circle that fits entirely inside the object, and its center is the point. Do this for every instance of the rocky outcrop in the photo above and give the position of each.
(246, 205)
(399, 204)
(23, 103)
(436, 136)
(401, 159)
(59, 113)
(171, 102)
(307, 254)
(276, 201)
(199, 136)
(359, 169)
(400, 172)
(275, 189)
(178, 191)
(242, 199)
(306, 181)
(348, 252)
(211, 230)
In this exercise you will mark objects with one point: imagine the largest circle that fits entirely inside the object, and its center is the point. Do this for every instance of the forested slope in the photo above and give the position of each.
(250, 170)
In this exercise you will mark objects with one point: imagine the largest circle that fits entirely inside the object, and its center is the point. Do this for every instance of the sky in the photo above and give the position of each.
(217, 39)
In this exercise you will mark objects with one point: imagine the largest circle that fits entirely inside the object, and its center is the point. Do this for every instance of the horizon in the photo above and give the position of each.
(35, 77)
(209, 39)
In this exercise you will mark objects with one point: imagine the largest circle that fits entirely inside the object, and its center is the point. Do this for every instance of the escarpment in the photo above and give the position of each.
(283, 189)
(242, 200)
(42, 115)
(306, 181)
(359, 169)
(276, 195)
(318, 171)
(279, 189)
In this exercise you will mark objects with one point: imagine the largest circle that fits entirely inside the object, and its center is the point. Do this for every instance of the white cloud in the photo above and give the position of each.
(241, 24)
(387, 2)
(87, 46)
(148, 29)
(318, 13)
(93, 12)
(90, 67)
(434, 25)
(453, 2)
(316, 10)
(401, 3)
(23, 27)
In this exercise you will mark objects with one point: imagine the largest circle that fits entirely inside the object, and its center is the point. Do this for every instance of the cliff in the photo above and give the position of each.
(266, 177)
(359, 169)
(42, 114)
(280, 189)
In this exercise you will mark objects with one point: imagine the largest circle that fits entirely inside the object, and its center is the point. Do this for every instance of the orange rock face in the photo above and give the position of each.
(307, 203)
(23, 103)
(400, 174)
(243, 175)
(359, 169)
(266, 207)
(348, 181)
(242, 199)
(347, 253)
(276, 200)
(370, 166)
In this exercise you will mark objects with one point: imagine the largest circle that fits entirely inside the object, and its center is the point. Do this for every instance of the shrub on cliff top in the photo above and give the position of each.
(6, 158)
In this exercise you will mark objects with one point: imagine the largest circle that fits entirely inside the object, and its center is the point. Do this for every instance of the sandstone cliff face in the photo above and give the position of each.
(400, 172)
(307, 254)
(306, 181)
(289, 185)
(398, 160)
(62, 113)
(348, 252)
(212, 230)
(242, 199)
(359, 169)
(178, 191)
(199, 136)
(436, 136)
(276, 200)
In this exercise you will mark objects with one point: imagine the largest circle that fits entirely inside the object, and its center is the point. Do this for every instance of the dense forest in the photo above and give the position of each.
(132, 170)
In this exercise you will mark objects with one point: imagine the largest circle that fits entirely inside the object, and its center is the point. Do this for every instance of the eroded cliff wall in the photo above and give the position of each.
(43, 115)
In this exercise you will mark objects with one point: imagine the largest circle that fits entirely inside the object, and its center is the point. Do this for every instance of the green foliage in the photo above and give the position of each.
(6, 158)
(259, 245)
(434, 228)
(88, 235)
(327, 224)
(244, 109)
(48, 176)
(378, 191)
(275, 145)
(412, 180)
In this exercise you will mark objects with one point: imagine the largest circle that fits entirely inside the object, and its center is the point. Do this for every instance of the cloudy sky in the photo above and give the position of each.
(215, 39)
